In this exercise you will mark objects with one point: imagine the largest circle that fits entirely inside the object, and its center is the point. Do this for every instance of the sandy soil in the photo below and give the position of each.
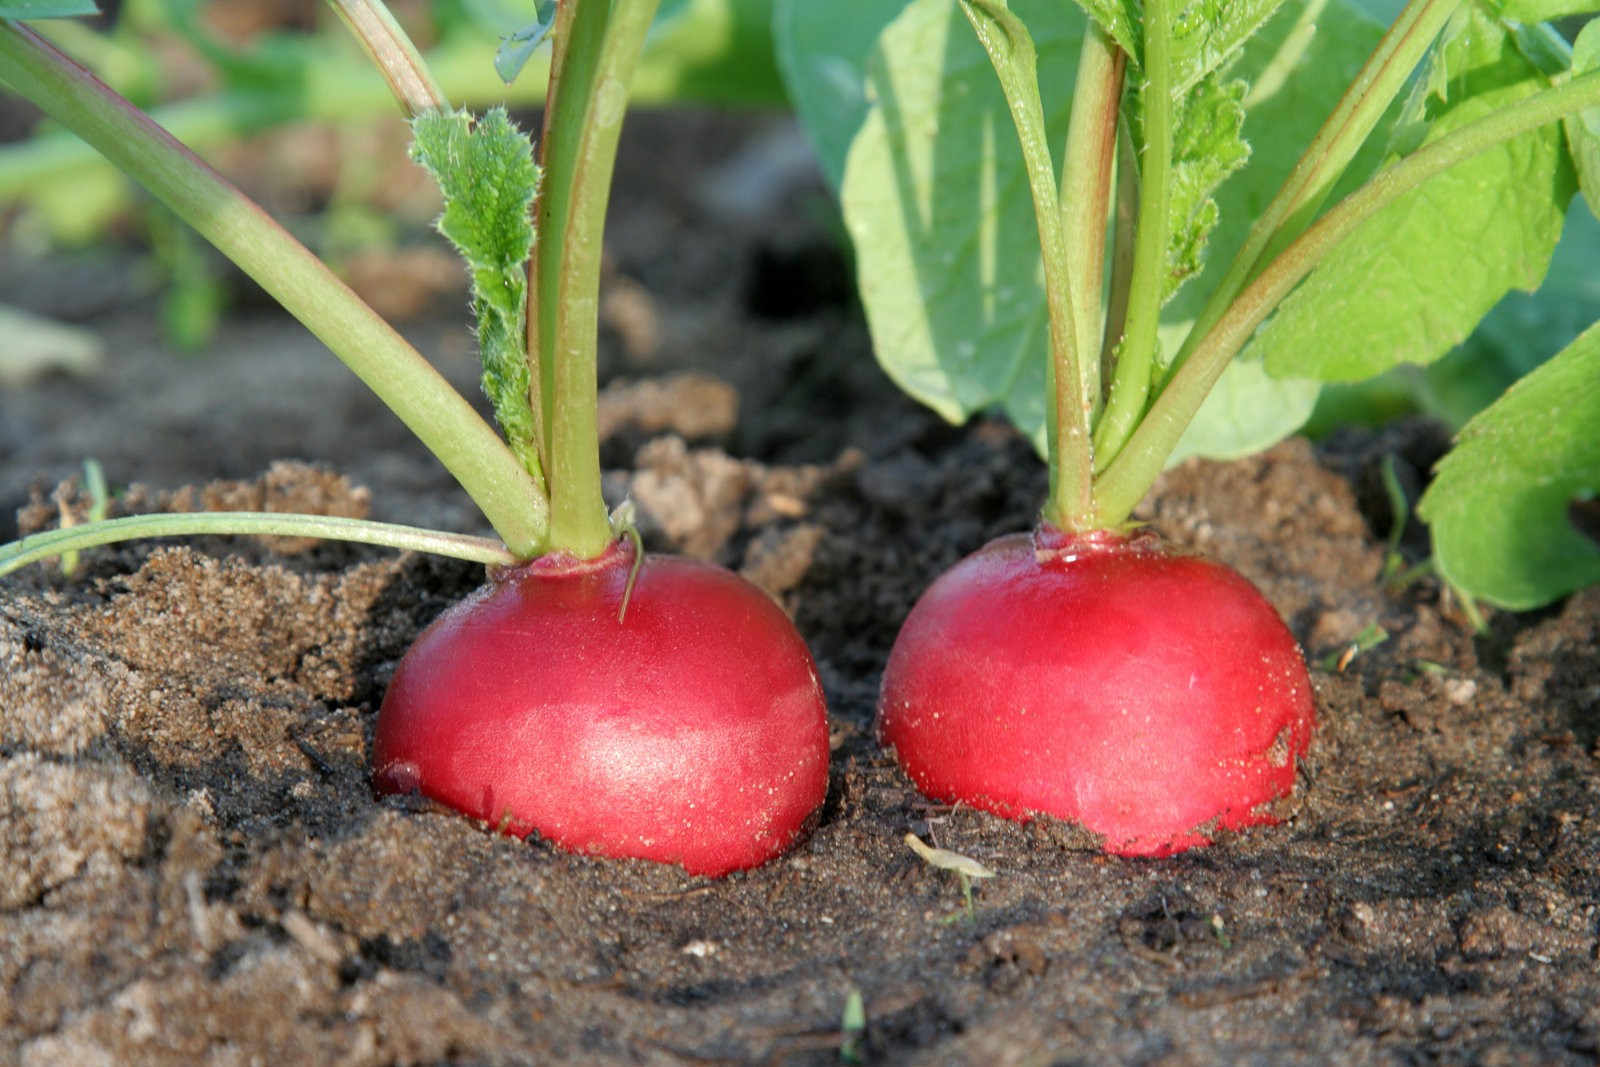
(193, 868)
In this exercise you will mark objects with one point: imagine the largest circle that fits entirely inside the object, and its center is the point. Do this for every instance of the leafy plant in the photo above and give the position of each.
(615, 703)
(1201, 212)
(1442, 144)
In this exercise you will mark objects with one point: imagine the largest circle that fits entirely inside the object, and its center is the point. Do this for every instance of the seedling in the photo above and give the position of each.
(653, 707)
(965, 869)
(852, 1027)
(1084, 670)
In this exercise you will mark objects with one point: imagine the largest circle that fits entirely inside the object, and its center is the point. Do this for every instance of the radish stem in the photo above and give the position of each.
(1125, 482)
(596, 48)
(393, 53)
(1011, 51)
(1087, 171)
(467, 446)
(1358, 112)
(1136, 350)
(40, 546)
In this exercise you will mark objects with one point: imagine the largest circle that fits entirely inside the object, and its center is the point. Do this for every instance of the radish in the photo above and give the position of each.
(690, 730)
(1089, 674)
(1150, 698)
(652, 708)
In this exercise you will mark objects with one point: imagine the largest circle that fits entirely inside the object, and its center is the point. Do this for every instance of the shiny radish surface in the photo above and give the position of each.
(692, 731)
(1151, 698)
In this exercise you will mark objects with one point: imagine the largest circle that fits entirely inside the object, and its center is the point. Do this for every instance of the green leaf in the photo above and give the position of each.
(486, 173)
(1498, 505)
(1440, 257)
(1206, 149)
(937, 203)
(1583, 129)
(1246, 411)
(1205, 33)
(46, 9)
(1120, 20)
(823, 47)
(1546, 10)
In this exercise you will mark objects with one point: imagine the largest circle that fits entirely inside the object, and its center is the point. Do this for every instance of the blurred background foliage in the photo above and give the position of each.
(279, 97)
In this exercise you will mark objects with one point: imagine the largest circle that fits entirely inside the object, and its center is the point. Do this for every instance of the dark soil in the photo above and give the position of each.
(193, 868)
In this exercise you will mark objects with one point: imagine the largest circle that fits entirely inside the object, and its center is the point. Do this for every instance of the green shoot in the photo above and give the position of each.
(852, 1027)
(965, 869)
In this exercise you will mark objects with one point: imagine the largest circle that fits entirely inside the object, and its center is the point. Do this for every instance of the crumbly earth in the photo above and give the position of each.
(194, 870)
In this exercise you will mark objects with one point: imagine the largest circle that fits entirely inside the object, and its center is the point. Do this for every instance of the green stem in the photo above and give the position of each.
(1125, 222)
(1010, 50)
(392, 52)
(1124, 484)
(467, 446)
(1341, 136)
(674, 69)
(1087, 174)
(1136, 351)
(41, 546)
(597, 46)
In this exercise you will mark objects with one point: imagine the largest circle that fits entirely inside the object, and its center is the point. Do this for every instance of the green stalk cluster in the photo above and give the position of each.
(1116, 412)
(536, 302)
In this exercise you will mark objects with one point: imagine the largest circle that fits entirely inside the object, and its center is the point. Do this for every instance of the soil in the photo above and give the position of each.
(194, 869)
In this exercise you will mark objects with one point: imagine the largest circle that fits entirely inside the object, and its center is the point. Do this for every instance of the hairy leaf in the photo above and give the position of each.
(1441, 256)
(1205, 33)
(486, 172)
(1499, 506)
(1206, 149)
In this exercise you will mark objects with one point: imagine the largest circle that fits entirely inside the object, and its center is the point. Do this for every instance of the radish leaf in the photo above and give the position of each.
(1246, 411)
(485, 170)
(1583, 129)
(936, 199)
(823, 50)
(46, 9)
(1206, 149)
(1498, 505)
(1205, 33)
(937, 203)
(1545, 10)
(1444, 254)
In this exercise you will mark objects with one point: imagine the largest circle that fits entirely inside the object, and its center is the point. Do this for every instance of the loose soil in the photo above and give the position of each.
(193, 868)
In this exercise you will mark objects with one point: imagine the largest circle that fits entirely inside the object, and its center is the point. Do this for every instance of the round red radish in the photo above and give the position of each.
(1150, 698)
(690, 731)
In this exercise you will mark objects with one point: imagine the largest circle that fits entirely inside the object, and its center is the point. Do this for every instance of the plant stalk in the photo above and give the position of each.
(69, 539)
(1087, 175)
(1126, 481)
(392, 52)
(596, 47)
(467, 446)
(1136, 351)
(1010, 49)
(1125, 222)
(1341, 136)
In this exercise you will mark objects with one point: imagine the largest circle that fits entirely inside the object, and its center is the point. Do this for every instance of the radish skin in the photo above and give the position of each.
(1152, 699)
(692, 731)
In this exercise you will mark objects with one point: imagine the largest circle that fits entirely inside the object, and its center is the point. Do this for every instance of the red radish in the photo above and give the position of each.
(690, 731)
(1150, 698)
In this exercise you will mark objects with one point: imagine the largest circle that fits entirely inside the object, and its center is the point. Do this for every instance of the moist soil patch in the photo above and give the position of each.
(194, 868)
